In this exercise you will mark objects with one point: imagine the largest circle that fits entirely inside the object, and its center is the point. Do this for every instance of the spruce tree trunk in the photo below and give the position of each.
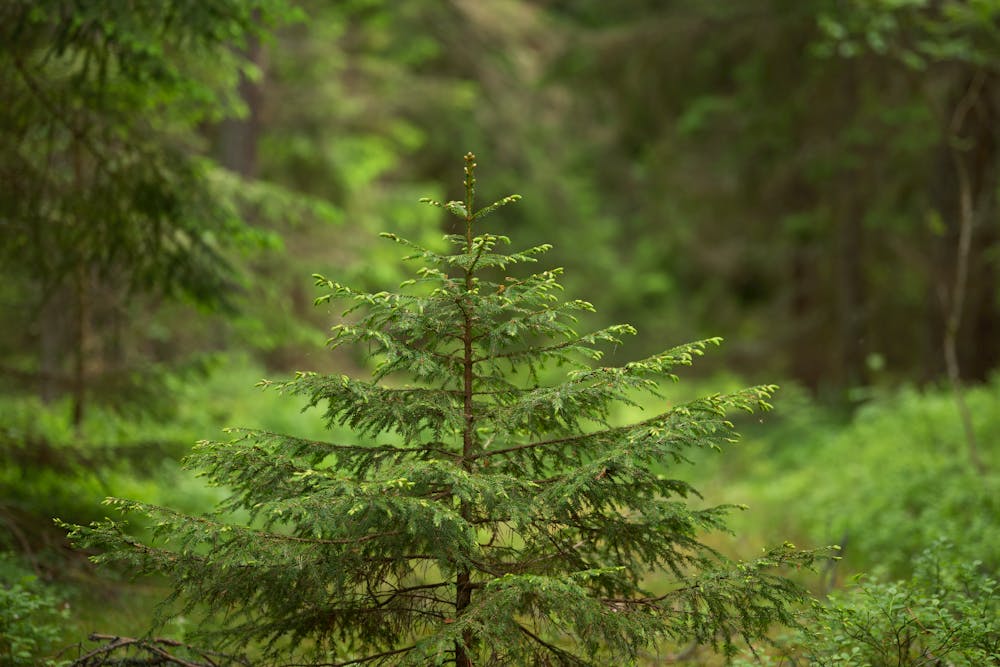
(463, 593)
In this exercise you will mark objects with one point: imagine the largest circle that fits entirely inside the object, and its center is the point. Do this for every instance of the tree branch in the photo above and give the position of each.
(357, 661)
(562, 653)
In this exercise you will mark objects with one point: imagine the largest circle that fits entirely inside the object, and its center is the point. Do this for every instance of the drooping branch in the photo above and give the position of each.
(563, 654)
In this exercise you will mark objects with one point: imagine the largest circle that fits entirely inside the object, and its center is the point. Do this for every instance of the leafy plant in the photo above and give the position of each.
(29, 619)
(483, 515)
(901, 482)
(947, 613)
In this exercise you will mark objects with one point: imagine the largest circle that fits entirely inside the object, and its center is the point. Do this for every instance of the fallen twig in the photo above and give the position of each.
(160, 650)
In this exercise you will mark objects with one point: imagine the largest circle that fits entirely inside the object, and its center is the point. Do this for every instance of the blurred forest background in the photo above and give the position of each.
(815, 180)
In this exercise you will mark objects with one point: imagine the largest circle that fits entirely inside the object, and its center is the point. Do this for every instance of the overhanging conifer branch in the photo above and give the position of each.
(609, 435)
(328, 448)
(224, 528)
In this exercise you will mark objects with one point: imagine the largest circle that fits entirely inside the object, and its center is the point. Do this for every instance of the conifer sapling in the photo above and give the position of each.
(485, 515)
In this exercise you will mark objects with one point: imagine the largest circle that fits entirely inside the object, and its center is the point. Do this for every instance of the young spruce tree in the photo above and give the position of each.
(506, 522)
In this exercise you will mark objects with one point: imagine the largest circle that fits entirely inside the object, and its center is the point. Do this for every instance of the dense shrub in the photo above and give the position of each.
(30, 618)
(947, 613)
(886, 484)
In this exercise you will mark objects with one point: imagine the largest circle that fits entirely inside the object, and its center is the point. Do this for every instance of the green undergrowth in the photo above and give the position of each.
(893, 485)
(51, 470)
(947, 612)
(888, 484)
(884, 485)
(32, 616)
(54, 469)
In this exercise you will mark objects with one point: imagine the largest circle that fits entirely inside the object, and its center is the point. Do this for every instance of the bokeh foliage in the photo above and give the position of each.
(797, 175)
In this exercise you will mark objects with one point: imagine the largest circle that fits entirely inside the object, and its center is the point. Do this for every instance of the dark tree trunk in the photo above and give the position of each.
(849, 249)
(80, 347)
(981, 342)
(238, 137)
(807, 365)
(850, 294)
(52, 328)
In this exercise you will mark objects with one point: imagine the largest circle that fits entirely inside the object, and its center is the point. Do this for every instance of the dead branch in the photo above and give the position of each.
(146, 652)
